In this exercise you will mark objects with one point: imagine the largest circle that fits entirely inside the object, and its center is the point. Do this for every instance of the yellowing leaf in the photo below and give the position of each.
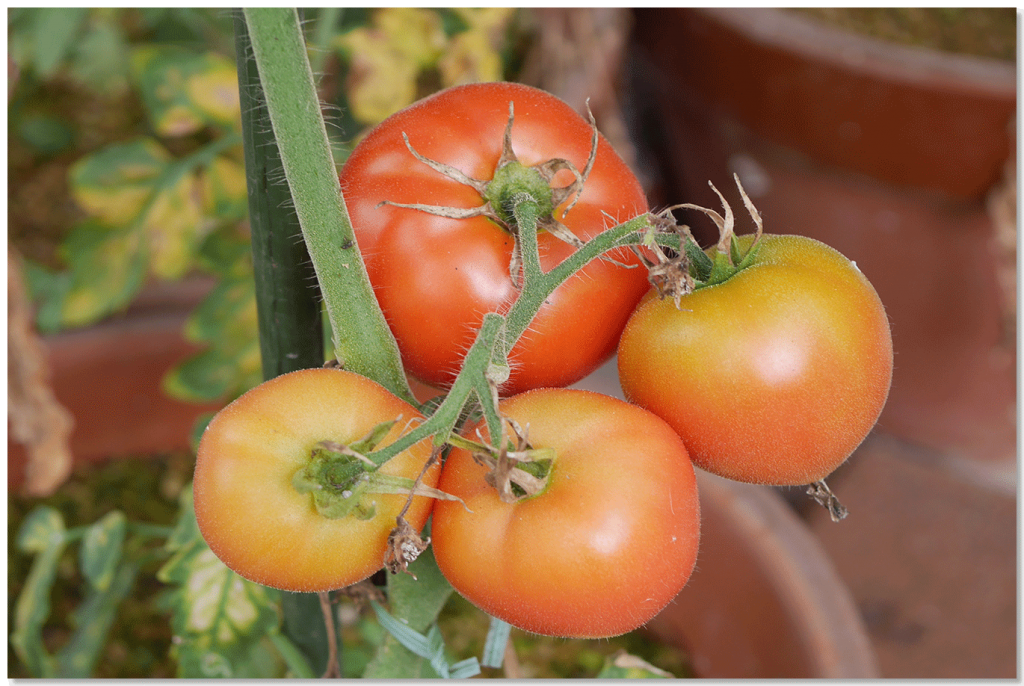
(174, 227)
(107, 270)
(116, 206)
(114, 184)
(177, 120)
(381, 80)
(224, 191)
(469, 59)
(184, 90)
(215, 92)
(486, 19)
(415, 34)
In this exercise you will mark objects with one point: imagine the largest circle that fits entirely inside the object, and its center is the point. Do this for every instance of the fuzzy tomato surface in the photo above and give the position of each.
(609, 542)
(774, 376)
(436, 277)
(247, 506)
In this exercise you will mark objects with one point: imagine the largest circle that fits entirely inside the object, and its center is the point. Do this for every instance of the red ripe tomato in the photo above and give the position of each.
(435, 277)
(609, 542)
(774, 376)
(250, 512)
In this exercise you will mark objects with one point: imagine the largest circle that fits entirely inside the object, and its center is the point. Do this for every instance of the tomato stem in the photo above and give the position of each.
(362, 339)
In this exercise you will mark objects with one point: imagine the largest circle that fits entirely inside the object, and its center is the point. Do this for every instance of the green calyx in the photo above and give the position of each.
(339, 483)
(510, 181)
(539, 469)
(341, 480)
(726, 264)
(689, 268)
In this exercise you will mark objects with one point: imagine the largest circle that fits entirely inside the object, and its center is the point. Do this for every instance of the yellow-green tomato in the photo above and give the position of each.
(773, 376)
(247, 503)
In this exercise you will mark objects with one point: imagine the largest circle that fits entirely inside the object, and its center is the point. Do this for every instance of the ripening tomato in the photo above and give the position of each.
(603, 548)
(774, 376)
(247, 504)
(436, 277)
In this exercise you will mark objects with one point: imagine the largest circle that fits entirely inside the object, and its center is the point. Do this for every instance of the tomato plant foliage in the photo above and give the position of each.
(436, 276)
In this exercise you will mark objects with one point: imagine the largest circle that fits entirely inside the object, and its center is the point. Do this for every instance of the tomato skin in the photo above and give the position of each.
(247, 509)
(603, 549)
(435, 278)
(774, 376)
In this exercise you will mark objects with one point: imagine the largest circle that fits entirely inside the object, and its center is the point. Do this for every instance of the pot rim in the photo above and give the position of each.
(915, 65)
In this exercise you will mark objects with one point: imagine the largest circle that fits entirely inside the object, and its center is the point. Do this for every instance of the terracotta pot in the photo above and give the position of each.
(108, 377)
(765, 600)
(886, 153)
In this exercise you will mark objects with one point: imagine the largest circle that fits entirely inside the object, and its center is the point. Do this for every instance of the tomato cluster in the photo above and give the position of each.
(770, 364)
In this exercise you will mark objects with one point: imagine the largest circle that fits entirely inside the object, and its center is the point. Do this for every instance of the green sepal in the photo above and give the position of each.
(337, 484)
(369, 443)
(722, 268)
(725, 265)
(701, 264)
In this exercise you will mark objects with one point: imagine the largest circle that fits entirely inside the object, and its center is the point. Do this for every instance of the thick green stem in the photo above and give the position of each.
(287, 301)
(362, 340)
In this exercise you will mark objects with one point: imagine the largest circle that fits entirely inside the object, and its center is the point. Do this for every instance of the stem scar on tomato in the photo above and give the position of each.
(517, 470)
(342, 480)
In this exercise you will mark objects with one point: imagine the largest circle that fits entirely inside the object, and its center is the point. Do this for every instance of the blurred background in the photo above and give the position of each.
(889, 134)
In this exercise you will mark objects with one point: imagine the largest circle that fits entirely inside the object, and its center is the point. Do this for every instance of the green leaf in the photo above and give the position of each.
(54, 33)
(101, 58)
(416, 602)
(93, 619)
(47, 134)
(495, 643)
(227, 253)
(230, 307)
(226, 320)
(48, 288)
(429, 647)
(41, 530)
(218, 617)
(292, 656)
(183, 91)
(42, 533)
(186, 530)
(101, 549)
(622, 665)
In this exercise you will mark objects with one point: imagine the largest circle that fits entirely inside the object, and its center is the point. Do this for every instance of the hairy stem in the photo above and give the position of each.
(362, 340)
